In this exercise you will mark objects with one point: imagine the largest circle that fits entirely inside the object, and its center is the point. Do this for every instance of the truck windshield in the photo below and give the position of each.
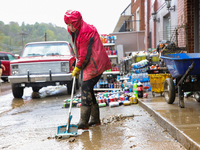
(46, 49)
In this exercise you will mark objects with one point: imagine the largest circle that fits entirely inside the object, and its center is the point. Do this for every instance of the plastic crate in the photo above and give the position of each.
(155, 60)
(157, 82)
(140, 58)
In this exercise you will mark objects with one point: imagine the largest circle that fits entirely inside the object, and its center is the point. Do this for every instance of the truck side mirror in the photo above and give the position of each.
(17, 56)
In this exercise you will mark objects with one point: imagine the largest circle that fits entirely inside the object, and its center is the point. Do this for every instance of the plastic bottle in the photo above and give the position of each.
(98, 85)
(140, 89)
(113, 104)
(118, 78)
(134, 86)
(120, 85)
(106, 83)
(126, 103)
(126, 90)
(103, 82)
(102, 105)
(113, 39)
(133, 99)
(78, 105)
(103, 39)
(108, 39)
(107, 101)
(113, 52)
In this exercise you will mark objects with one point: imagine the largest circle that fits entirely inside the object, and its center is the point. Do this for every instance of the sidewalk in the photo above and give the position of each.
(183, 124)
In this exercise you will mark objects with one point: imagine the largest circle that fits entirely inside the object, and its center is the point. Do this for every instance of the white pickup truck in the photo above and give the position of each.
(42, 64)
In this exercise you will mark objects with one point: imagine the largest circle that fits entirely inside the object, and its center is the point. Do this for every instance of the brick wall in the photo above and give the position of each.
(189, 19)
(186, 17)
(134, 6)
(182, 37)
(146, 20)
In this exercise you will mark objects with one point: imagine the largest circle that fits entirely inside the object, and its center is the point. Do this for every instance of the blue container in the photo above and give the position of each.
(177, 64)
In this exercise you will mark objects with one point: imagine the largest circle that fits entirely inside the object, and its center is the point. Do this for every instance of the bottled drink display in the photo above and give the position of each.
(107, 38)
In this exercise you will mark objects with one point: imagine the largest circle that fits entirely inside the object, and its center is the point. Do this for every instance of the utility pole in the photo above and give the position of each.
(22, 34)
(10, 46)
(45, 36)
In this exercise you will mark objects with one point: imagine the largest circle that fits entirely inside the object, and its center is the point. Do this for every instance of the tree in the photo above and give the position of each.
(14, 28)
(10, 34)
(50, 35)
(1, 36)
(23, 27)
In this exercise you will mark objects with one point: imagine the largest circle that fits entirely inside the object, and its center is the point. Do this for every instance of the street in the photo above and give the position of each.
(31, 123)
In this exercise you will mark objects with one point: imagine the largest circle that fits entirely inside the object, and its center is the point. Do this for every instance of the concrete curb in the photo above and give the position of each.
(177, 134)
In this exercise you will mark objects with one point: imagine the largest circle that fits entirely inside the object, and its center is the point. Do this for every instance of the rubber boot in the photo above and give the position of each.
(94, 120)
(85, 116)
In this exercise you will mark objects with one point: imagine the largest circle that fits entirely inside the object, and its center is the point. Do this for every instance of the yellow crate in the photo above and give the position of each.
(155, 59)
(140, 58)
(157, 82)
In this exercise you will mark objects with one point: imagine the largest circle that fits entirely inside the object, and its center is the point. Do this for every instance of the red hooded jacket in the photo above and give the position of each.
(92, 57)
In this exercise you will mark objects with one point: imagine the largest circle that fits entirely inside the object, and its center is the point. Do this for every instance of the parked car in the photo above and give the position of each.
(5, 58)
(42, 64)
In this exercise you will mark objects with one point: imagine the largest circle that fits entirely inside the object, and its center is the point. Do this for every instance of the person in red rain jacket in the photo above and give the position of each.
(92, 62)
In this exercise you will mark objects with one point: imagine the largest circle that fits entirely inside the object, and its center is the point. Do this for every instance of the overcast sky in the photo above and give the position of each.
(103, 14)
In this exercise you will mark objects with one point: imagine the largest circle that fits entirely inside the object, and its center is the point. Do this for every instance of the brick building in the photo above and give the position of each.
(173, 20)
(137, 11)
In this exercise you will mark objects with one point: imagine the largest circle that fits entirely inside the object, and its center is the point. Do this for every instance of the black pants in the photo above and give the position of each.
(87, 93)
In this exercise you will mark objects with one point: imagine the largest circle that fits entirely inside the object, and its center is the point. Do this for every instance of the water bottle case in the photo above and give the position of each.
(140, 64)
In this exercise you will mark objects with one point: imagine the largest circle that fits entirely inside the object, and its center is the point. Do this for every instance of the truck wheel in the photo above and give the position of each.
(5, 79)
(35, 89)
(17, 91)
(69, 88)
(169, 91)
(197, 96)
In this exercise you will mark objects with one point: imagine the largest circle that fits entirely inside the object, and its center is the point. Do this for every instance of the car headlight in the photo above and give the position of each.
(64, 66)
(14, 70)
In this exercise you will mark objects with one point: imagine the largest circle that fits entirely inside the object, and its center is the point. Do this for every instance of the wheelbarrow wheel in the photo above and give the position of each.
(169, 91)
(153, 94)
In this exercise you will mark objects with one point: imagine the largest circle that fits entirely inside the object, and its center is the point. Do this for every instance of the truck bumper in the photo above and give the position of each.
(40, 78)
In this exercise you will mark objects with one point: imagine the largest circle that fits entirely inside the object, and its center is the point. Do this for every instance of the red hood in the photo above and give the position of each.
(73, 17)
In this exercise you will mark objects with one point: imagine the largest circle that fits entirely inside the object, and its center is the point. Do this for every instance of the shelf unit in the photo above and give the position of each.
(107, 89)
(113, 58)
(108, 44)
(112, 72)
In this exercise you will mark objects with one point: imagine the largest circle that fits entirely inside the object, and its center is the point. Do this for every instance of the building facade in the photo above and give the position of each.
(172, 20)
(137, 12)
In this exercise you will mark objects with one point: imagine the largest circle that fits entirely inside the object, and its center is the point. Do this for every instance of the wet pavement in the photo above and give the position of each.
(182, 123)
(31, 123)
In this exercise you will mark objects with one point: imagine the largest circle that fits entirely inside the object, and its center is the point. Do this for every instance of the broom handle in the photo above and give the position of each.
(70, 106)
